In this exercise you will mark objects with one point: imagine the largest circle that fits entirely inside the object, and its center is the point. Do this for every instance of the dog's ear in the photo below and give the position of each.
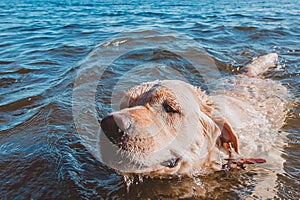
(228, 139)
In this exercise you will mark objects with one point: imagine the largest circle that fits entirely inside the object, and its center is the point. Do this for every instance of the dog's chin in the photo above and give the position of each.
(125, 160)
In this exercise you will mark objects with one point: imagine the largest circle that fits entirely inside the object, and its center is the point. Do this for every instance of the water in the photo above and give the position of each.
(43, 43)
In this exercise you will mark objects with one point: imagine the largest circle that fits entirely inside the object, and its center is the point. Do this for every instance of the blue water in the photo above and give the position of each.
(43, 43)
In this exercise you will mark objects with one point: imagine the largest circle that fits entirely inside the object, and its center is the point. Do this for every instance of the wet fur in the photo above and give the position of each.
(202, 130)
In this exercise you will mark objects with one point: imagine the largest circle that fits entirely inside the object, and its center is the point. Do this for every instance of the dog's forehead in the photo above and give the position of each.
(175, 84)
(178, 88)
(177, 93)
(160, 90)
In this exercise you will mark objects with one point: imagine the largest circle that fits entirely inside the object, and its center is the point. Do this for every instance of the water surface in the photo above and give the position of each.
(42, 47)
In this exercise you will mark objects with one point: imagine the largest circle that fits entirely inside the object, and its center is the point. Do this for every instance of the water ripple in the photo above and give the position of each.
(41, 44)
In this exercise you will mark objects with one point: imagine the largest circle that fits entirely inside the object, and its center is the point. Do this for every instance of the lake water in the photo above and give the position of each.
(45, 46)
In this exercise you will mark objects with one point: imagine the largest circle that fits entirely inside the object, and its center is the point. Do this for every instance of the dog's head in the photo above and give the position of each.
(165, 127)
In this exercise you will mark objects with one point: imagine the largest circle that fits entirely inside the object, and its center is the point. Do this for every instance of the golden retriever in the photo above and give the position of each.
(171, 127)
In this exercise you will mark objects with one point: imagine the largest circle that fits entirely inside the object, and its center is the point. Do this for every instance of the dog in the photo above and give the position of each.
(170, 127)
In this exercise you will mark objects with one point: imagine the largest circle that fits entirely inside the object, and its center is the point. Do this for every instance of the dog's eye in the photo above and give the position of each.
(169, 108)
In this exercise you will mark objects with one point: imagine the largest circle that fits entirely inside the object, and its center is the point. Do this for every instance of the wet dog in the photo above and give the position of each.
(171, 127)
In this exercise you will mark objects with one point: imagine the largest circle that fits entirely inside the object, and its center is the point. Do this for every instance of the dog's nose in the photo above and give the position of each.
(115, 126)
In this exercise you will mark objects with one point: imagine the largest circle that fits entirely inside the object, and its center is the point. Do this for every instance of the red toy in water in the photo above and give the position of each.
(240, 163)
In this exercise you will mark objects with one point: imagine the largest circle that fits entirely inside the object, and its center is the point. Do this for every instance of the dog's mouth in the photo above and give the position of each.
(165, 168)
(173, 162)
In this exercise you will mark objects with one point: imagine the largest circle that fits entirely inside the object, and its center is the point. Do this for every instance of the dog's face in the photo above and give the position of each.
(163, 127)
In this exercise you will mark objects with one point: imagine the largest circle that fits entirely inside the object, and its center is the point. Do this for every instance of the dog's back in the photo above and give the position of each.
(256, 108)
